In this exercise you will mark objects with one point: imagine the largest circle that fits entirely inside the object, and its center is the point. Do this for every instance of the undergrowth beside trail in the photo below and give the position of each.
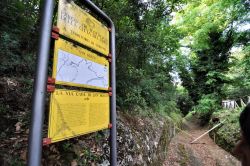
(226, 135)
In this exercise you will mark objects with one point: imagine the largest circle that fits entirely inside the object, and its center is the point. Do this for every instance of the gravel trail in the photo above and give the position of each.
(203, 153)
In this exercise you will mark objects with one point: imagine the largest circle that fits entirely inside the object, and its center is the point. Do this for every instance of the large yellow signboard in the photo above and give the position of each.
(78, 25)
(74, 113)
(76, 66)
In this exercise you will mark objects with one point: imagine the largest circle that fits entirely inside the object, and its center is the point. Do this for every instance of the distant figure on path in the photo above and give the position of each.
(242, 148)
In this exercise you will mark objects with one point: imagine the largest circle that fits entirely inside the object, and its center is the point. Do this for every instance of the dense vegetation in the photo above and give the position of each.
(154, 40)
(172, 56)
(213, 30)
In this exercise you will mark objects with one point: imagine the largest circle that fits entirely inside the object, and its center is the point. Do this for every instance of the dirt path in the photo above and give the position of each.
(203, 153)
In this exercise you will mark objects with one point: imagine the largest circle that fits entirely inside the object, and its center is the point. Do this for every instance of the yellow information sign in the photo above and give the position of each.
(76, 66)
(78, 25)
(74, 113)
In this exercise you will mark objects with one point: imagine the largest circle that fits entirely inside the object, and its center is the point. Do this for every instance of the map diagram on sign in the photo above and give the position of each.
(74, 69)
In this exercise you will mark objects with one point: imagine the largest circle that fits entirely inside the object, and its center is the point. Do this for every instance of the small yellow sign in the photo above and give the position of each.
(74, 113)
(76, 66)
(78, 25)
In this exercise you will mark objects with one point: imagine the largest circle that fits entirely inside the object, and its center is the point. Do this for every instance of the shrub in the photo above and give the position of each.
(206, 106)
(184, 103)
(227, 135)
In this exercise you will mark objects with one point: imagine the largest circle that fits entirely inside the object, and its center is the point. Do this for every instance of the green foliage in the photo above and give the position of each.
(17, 162)
(184, 101)
(206, 106)
(199, 18)
(17, 37)
(170, 110)
(176, 117)
(66, 146)
(87, 158)
(145, 43)
(167, 108)
(239, 75)
(3, 108)
(190, 115)
(228, 134)
(209, 32)
(149, 46)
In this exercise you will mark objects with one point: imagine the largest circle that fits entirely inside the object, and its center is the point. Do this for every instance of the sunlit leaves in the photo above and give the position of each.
(198, 18)
(209, 29)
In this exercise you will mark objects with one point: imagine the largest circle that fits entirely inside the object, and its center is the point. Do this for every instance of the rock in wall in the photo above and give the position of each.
(143, 140)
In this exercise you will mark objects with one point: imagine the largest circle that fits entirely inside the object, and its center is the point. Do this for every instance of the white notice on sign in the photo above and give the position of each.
(78, 70)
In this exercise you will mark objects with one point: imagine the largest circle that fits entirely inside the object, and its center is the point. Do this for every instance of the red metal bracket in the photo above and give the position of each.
(51, 88)
(110, 125)
(110, 60)
(55, 35)
(51, 80)
(55, 29)
(109, 55)
(110, 93)
(46, 141)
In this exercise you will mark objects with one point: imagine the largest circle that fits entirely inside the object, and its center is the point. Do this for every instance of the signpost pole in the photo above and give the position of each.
(113, 139)
(39, 94)
(113, 132)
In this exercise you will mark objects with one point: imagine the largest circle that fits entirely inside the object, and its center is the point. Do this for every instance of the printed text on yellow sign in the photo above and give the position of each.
(78, 25)
(74, 113)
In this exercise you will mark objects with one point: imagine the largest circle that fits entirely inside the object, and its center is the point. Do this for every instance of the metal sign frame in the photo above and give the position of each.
(39, 92)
